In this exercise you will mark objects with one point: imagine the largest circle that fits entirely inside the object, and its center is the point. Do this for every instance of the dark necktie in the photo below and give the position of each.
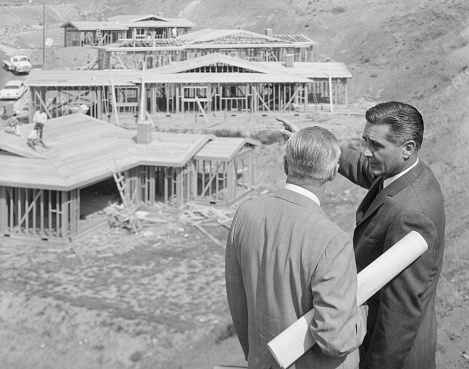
(369, 198)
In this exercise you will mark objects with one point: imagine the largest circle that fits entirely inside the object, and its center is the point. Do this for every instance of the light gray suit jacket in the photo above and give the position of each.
(284, 257)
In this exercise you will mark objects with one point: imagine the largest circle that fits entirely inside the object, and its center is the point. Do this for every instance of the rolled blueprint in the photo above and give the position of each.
(294, 341)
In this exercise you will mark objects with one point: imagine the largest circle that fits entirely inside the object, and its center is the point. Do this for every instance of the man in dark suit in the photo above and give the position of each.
(403, 196)
(285, 257)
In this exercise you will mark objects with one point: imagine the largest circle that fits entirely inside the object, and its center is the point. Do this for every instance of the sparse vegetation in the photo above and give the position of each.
(146, 302)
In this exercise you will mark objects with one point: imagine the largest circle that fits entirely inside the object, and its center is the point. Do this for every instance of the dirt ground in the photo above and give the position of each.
(157, 299)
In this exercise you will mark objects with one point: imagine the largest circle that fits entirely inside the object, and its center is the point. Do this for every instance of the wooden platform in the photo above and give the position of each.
(83, 150)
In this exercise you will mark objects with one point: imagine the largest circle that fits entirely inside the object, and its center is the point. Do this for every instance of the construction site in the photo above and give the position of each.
(102, 123)
(160, 119)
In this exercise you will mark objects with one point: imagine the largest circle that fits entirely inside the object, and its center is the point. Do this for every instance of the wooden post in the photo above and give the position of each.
(346, 93)
(142, 97)
(3, 210)
(99, 105)
(201, 109)
(65, 217)
(114, 101)
(330, 87)
(36, 194)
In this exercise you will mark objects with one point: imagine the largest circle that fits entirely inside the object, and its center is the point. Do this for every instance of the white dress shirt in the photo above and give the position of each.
(303, 192)
(390, 180)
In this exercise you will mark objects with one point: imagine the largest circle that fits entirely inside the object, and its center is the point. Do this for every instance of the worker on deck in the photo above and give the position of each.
(39, 118)
(35, 139)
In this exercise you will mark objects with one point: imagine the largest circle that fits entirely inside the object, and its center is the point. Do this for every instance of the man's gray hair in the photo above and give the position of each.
(312, 155)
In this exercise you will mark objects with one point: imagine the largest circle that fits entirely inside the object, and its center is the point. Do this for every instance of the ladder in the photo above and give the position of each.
(129, 205)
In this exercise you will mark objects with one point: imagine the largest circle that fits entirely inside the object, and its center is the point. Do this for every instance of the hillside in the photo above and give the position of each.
(415, 51)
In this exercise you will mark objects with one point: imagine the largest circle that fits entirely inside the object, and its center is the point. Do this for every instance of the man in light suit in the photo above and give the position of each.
(402, 321)
(285, 257)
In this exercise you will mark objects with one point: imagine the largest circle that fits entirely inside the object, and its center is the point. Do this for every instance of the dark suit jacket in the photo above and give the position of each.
(401, 320)
(284, 257)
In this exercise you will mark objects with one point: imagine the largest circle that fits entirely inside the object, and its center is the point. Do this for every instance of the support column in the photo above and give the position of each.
(3, 210)
(64, 223)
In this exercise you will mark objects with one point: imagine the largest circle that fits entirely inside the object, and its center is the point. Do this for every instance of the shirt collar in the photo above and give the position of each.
(303, 192)
(390, 180)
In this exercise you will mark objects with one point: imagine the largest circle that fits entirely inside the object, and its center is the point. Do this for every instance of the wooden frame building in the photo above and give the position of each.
(41, 191)
(242, 44)
(225, 170)
(123, 27)
(211, 83)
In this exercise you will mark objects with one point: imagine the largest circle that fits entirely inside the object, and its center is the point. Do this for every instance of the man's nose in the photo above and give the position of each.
(367, 152)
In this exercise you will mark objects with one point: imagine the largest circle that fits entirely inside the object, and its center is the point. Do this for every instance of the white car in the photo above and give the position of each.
(13, 90)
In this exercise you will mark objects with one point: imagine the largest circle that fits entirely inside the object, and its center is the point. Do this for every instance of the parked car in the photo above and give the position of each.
(13, 90)
(18, 64)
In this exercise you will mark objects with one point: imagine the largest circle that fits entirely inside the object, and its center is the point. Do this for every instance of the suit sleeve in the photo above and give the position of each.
(400, 306)
(335, 325)
(237, 301)
(353, 166)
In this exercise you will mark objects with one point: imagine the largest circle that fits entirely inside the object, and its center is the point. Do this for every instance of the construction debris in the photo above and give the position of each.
(196, 215)
(119, 217)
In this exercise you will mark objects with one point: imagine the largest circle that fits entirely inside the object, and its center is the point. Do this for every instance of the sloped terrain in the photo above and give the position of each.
(159, 301)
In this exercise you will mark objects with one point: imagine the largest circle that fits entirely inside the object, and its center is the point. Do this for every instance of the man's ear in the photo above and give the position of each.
(331, 178)
(285, 165)
(408, 149)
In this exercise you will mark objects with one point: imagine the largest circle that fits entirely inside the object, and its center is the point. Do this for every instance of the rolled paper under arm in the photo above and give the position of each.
(294, 341)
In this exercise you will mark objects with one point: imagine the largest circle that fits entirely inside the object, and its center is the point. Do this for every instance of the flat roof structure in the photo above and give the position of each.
(150, 20)
(83, 150)
(243, 44)
(181, 71)
(312, 70)
(213, 82)
(61, 78)
(123, 27)
(44, 194)
(95, 25)
(224, 148)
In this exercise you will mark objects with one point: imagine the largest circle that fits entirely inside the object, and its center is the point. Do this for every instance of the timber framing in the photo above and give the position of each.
(212, 83)
(225, 170)
(242, 44)
(41, 191)
(123, 27)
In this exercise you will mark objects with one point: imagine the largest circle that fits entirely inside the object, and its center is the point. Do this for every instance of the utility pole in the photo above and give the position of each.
(43, 33)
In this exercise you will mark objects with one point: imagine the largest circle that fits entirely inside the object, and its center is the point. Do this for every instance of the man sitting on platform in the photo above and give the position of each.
(34, 139)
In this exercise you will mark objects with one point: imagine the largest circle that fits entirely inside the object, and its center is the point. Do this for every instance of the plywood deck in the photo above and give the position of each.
(224, 148)
(263, 72)
(83, 150)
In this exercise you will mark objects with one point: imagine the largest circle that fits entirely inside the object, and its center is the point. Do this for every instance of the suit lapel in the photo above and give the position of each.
(371, 202)
(368, 200)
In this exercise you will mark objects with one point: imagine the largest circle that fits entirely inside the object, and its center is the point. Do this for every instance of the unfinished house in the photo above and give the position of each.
(42, 192)
(208, 84)
(242, 44)
(49, 194)
(225, 170)
(123, 28)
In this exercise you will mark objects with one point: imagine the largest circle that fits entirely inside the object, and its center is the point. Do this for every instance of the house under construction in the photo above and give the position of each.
(155, 52)
(123, 28)
(42, 192)
(208, 84)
